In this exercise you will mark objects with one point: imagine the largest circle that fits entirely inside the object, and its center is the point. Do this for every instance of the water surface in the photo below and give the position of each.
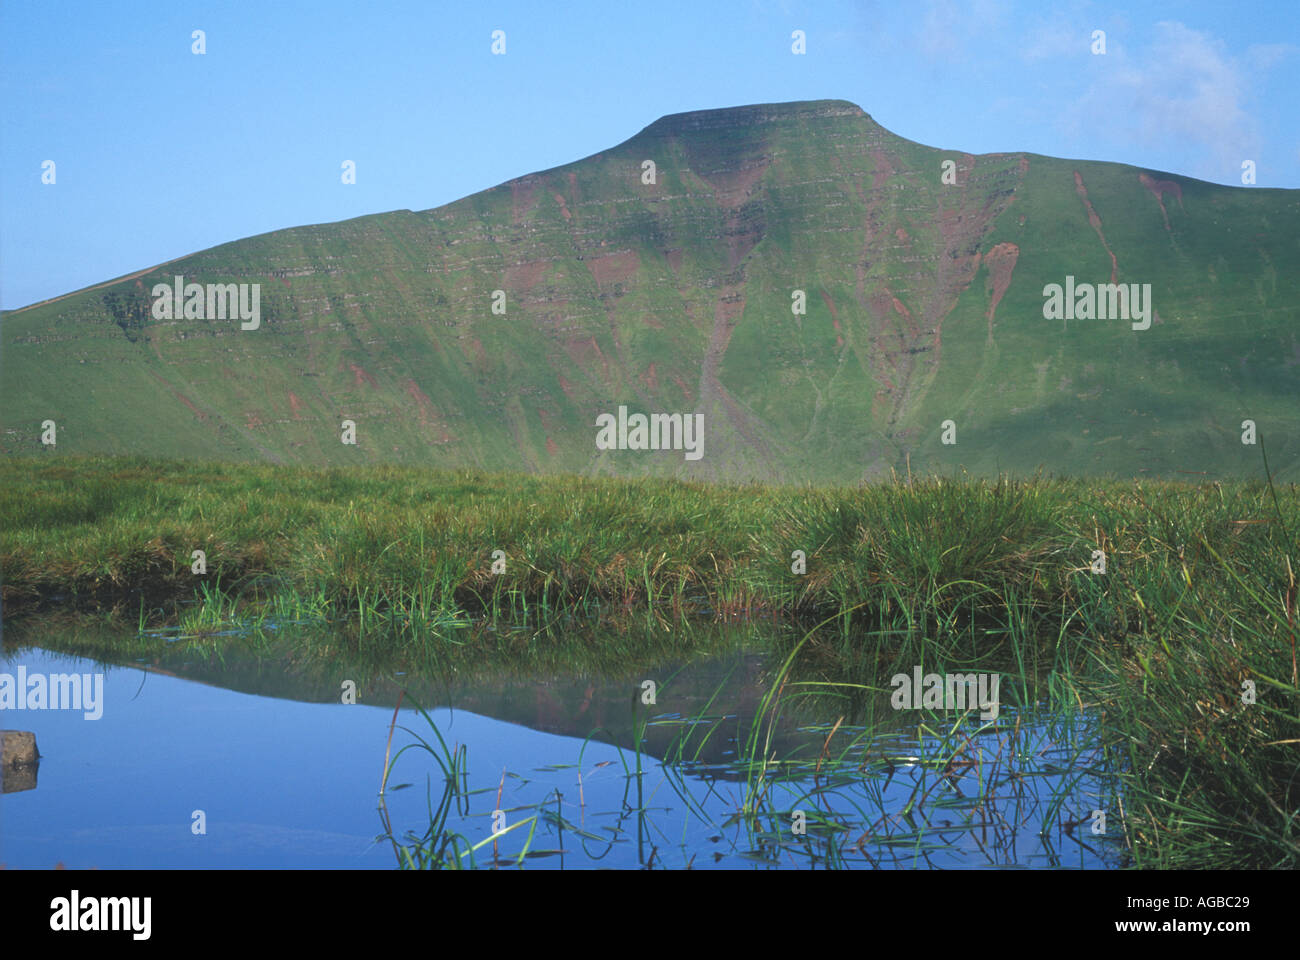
(287, 775)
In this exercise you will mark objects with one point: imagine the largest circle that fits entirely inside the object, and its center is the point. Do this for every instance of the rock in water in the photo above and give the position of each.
(19, 759)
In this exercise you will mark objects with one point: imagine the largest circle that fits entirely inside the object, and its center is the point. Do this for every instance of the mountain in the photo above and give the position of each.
(673, 293)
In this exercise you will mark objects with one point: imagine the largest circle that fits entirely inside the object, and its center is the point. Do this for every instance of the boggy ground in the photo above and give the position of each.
(1187, 637)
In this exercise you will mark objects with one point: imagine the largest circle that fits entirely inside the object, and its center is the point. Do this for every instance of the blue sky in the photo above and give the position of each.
(160, 152)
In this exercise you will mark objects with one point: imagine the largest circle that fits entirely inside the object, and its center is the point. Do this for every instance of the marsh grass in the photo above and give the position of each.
(1199, 594)
(871, 794)
(411, 546)
(439, 847)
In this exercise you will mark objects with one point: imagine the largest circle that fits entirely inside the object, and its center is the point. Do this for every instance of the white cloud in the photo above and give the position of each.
(951, 31)
(1056, 41)
(1180, 90)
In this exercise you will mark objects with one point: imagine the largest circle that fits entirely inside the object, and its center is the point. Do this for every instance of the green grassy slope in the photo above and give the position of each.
(675, 296)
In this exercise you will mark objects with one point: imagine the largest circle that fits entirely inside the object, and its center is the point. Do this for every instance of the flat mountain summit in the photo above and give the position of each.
(833, 300)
